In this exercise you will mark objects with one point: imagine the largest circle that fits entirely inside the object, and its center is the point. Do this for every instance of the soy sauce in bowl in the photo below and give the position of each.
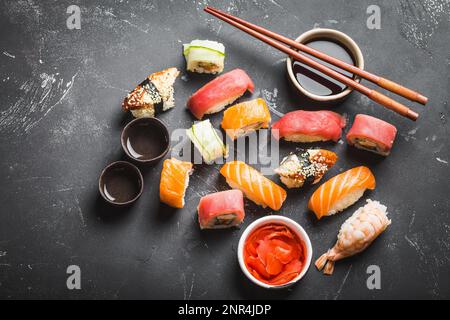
(146, 140)
(121, 183)
(317, 82)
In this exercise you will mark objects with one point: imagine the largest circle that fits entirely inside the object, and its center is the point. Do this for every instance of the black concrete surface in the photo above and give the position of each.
(60, 123)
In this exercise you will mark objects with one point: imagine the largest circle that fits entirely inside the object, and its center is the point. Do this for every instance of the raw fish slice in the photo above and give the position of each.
(309, 126)
(341, 191)
(174, 181)
(246, 117)
(372, 134)
(356, 234)
(220, 92)
(221, 209)
(255, 186)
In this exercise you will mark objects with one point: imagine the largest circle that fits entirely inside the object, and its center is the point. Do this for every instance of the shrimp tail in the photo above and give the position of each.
(320, 263)
(329, 268)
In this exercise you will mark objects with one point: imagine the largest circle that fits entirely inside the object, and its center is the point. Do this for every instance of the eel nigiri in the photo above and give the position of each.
(206, 140)
(309, 126)
(305, 166)
(341, 191)
(220, 92)
(221, 209)
(356, 234)
(204, 56)
(372, 134)
(174, 182)
(246, 117)
(253, 184)
(153, 95)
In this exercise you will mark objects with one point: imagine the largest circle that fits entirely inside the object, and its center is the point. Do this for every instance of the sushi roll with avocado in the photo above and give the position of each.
(153, 95)
(206, 140)
(204, 56)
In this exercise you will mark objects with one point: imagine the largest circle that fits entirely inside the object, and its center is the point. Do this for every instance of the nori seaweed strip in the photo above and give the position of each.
(305, 162)
(154, 94)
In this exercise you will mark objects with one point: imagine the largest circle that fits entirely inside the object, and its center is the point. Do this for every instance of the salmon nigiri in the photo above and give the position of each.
(253, 184)
(174, 182)
(341, 191)
(246, 117)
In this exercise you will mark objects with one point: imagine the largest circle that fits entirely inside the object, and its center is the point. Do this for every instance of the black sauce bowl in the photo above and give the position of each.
(145, 140)
(121, 183)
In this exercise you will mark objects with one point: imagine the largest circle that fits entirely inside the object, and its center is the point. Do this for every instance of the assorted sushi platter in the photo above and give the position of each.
(274, 251)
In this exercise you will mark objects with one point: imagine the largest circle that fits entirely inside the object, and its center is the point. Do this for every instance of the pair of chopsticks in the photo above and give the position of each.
(268, 37)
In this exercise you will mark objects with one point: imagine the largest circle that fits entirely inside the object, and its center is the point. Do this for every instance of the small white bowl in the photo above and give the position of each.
(274, 219)
(339, 37)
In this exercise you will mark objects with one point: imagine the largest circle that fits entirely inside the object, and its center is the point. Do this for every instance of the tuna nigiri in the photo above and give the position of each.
(246, 117)
(221, 209)
(372, 134)
(305, 167)
(174, 181)
(220, 92)
(341, 191)
(356, 234)
(255, 186)
(309, 126)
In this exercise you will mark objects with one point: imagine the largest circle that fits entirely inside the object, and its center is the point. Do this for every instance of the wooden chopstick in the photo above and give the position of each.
(370, 93)
(382, 82)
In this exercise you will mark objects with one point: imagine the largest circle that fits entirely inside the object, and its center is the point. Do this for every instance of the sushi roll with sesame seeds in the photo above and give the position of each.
(305, 167)
(153, 95)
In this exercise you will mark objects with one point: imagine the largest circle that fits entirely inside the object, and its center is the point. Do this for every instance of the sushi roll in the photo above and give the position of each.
(309, 126)
(372, 134)
(246, 117)
(221, 210)
(153, 95)
(253, 184)
(204, 56)
(174, 182)
(305, 167)
(207, 141)
(356, 234)
(341, 191)
(220, 92)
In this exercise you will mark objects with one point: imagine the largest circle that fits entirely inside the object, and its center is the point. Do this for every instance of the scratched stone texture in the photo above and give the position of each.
(60, 121)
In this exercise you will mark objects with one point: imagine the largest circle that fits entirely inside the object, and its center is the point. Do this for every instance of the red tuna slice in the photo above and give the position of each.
(216, 204)
(220, 92)
(325, 124)
(373, 129)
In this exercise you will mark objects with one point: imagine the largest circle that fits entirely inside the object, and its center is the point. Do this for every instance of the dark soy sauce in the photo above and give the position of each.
(145, 141)
(315, 81)
(121, 183)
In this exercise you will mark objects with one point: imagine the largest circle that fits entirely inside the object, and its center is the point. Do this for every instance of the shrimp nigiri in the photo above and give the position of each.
(356, 234)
